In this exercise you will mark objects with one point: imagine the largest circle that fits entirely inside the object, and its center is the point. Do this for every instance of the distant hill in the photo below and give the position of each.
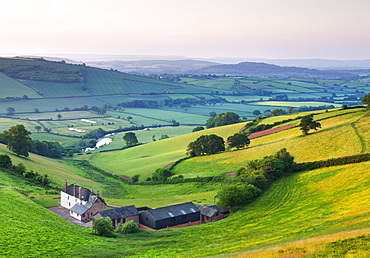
(154, 66)
(268, 70)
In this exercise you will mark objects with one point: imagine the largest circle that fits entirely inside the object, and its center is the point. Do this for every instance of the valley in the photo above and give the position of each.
(329, 203)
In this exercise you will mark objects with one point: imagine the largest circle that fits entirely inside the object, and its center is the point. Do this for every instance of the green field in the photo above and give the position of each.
(319, 145)
(13, 88)
(299, 206)
(152, 155)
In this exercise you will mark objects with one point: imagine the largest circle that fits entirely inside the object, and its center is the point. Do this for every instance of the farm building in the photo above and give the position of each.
(210, 213)
(120, 215)
(81, 202)
(179, 215)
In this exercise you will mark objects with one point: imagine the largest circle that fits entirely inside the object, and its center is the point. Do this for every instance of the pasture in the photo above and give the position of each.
(12, 88)
(145, 159)
(327, 142)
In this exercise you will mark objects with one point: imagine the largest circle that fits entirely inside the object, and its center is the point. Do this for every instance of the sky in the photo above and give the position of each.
(275, 29)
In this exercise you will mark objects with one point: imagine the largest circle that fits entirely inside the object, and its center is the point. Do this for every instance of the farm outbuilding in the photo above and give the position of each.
(120, 215)
(179, 215)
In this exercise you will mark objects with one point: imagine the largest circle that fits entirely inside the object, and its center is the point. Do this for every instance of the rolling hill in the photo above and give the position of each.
(304, 205)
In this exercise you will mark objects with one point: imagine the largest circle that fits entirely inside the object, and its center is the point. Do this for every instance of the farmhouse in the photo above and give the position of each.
(81, 202)
(179, 215)
(120, 215)
(210, 213)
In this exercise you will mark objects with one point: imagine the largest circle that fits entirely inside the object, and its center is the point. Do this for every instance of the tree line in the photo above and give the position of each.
(20, 169)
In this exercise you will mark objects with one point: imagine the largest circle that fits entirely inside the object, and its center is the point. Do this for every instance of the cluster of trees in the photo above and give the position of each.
(160, 175)
(222, 119)
(99, 111)
(95, 134)
(18, 140)
(20, 169)
(212, 144)
(38, 72)
(254, 177)
(182, 103)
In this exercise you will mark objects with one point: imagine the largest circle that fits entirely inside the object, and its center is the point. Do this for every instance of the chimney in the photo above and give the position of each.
(80, 193)
(65, 185)
(97, 194)
(74, 189)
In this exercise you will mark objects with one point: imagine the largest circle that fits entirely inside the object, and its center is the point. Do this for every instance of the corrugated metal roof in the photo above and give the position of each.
(175, 210)
(121, 212)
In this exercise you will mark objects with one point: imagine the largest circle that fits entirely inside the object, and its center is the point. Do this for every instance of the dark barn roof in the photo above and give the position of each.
(205, 210)
(174, 211)
(121, 212)
(222, 210)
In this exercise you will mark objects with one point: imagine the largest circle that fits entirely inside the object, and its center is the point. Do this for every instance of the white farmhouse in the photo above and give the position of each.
(82, 203)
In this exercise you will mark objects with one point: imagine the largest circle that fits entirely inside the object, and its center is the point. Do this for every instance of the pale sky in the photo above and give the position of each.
(331, 29)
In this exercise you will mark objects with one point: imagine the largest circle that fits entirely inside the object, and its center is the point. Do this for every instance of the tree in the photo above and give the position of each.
(161, 174)
(307, 123)
(237, 195)
(5, 161)
(129, 118)
(212, 114)
(256, 112)
(238, 141)
(276, 111)
(128, 228)
(38, 128)
(135, 178)
(130, 139)
(10, 111)
(366, 100)
(198, 128)
(36, 110)
(18, 140)
(164, 136)
(103, 226)
(59, 116)
(290, 109)
(206, 145)
(223, 119)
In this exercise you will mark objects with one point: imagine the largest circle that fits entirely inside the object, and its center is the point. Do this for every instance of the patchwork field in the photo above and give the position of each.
(328, 142)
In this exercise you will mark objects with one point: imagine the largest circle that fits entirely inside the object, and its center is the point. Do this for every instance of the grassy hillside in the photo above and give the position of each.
(299, 206)
(331, 141)
(145, 159)
(304, 205)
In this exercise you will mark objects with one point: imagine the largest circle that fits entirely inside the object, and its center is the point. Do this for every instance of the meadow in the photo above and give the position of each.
(152, 155)
(318, 145)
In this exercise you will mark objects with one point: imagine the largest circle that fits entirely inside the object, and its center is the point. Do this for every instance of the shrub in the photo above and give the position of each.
(103, 226)
(128, 228)
(237, 195)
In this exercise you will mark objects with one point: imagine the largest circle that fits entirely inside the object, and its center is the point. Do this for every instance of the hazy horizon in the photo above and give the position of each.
(286, 29)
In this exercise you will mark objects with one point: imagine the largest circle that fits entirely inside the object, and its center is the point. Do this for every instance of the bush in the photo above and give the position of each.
(237, 195)
(103, 226)
(128, 228)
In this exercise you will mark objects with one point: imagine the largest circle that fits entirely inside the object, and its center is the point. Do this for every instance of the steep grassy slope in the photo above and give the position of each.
(29, 230)
(299, 206)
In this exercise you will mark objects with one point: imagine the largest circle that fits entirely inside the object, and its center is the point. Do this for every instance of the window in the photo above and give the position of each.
(216, 213)
(119, 220)
(69, 204)
(68, 197)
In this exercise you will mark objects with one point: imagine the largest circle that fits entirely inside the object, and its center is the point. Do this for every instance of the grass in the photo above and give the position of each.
(295, 104)
(327, 142)
(296, 207)
(12, 88)
(144, 159)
